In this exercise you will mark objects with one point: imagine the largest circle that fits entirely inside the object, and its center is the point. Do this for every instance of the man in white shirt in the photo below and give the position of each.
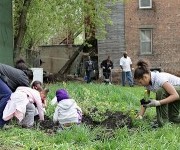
(126, 65)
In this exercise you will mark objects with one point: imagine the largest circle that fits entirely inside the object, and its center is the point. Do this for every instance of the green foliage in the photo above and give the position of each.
(47, 18)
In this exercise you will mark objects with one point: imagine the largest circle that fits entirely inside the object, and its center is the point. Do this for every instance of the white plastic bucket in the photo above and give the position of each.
(37, 74)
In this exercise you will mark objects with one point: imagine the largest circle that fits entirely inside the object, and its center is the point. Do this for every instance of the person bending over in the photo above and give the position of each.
(167, 89)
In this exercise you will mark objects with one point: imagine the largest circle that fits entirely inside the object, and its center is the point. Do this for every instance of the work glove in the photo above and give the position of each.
(153, 103)
(103, 67)
(109, 68)
(139, 117)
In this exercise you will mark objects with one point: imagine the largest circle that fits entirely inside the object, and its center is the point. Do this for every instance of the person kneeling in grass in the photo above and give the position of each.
(67, 112)
(37, 85)
(22, 104)
(167, 89)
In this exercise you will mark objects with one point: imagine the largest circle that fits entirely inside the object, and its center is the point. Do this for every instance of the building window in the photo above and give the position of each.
(145, 4)
(146, 41)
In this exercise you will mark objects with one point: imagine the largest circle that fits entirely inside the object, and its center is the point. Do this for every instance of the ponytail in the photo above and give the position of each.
(142, 68)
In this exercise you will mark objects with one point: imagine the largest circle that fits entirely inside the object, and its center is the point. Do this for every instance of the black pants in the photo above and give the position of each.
(89, 75)
(106, 75)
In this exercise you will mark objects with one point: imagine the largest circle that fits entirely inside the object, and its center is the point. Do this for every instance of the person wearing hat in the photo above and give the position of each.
(67, 112)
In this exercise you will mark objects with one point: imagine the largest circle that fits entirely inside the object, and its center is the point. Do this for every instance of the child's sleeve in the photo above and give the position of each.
(55, 116)
(39, 104)
(77, 107)
(54, 101)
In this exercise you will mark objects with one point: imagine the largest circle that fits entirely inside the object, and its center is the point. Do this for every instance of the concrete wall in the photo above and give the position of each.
(55, 56)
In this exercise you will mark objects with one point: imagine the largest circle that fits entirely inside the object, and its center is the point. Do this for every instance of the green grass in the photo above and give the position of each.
(103, 97)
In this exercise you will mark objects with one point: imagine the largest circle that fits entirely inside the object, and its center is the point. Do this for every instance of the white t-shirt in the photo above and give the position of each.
(159, 78)
(126, 63)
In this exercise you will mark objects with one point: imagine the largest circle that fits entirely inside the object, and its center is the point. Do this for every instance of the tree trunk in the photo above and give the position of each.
(90, 28)
(21, 29)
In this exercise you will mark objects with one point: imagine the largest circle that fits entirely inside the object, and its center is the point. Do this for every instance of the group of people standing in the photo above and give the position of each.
(107, 66)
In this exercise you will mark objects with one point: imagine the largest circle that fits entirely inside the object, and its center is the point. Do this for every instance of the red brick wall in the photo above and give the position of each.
(164, 18)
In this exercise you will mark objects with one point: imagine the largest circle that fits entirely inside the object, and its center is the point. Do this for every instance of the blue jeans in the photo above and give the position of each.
(5, 94)
(127, 75)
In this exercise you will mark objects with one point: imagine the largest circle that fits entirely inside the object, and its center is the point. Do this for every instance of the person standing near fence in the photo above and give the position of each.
(126, 65)
(89, 66)
(107, 65)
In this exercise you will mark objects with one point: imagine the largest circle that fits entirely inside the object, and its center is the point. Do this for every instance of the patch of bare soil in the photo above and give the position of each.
(113, 121)
(47, 125)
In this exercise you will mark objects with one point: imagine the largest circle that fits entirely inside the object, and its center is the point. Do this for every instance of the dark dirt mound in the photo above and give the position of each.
(117, 120)
(113, 120)
(47, 124)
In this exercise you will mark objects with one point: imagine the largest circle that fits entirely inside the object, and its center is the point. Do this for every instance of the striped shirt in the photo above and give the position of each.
(159, 78)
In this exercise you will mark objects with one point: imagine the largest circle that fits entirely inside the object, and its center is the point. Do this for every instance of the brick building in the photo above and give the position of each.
(152, 32)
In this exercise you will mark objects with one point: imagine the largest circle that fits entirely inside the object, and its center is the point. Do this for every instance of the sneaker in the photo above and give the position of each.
(8, 126)
(155, 125)
(26, 126)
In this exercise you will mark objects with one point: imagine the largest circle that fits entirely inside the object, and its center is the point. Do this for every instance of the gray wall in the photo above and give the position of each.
(113, 44)
(55, 56)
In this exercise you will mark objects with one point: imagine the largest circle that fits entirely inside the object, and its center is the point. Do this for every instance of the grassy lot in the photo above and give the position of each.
(102, 97)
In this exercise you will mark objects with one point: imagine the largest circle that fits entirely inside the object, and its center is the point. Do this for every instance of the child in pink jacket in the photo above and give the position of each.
(21, 105)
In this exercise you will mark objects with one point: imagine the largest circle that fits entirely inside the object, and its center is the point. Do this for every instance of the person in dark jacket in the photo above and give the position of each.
(10, 79)
(89, 66)
(107, 65)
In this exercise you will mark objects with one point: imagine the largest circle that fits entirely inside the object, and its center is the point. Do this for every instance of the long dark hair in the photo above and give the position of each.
(142, 68)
